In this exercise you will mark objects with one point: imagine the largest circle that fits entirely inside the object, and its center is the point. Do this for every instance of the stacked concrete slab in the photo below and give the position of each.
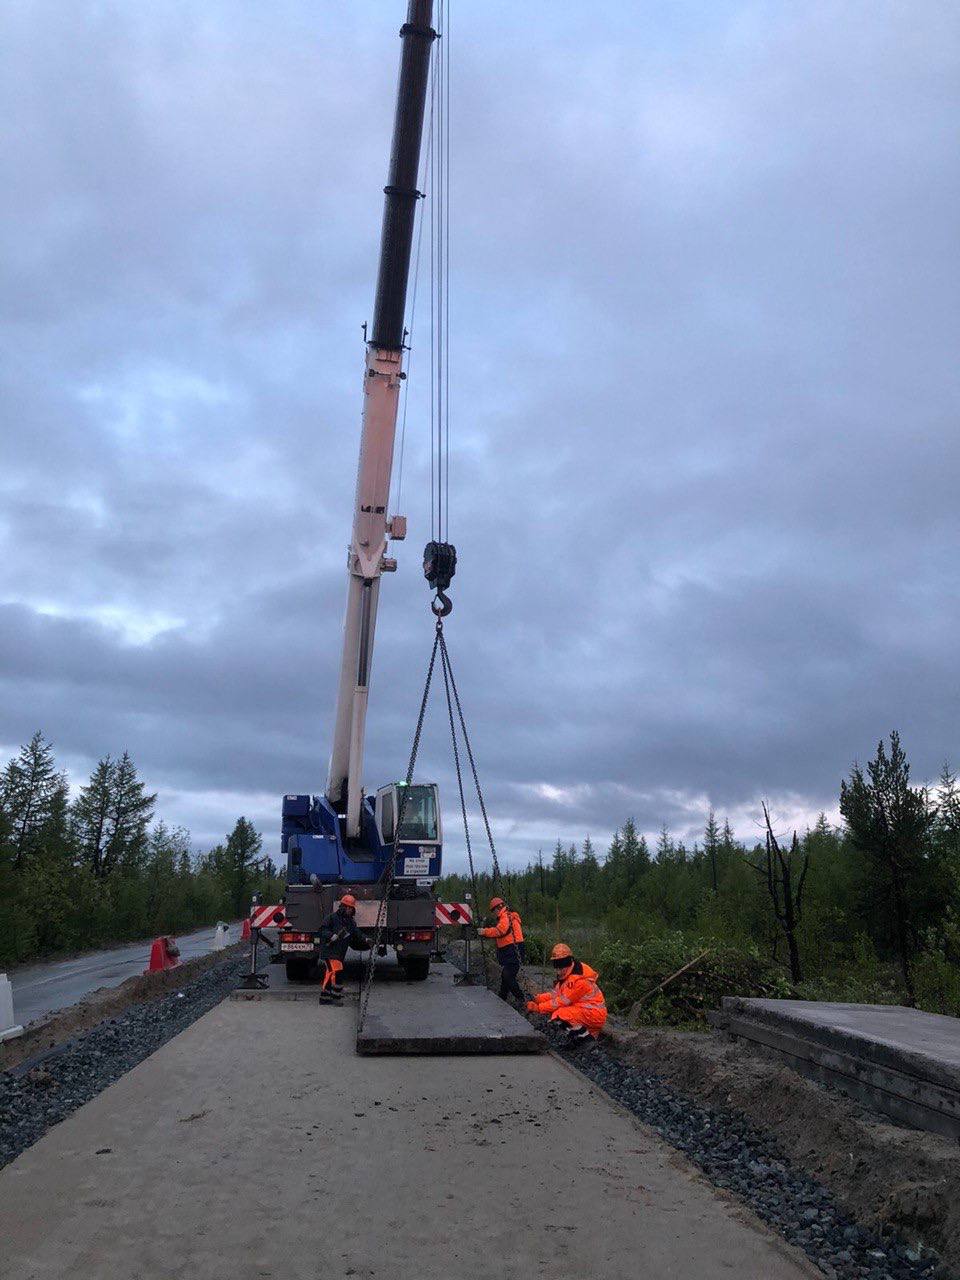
(901, 1062)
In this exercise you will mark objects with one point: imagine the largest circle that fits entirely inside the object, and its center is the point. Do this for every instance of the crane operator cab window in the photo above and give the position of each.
(419, 807)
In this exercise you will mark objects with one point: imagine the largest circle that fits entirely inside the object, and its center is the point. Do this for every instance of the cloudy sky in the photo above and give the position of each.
(706, 456)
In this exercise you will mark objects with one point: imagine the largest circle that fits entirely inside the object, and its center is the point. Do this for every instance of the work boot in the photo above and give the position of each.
(578, 1035)
(337, 989)
(327, 997)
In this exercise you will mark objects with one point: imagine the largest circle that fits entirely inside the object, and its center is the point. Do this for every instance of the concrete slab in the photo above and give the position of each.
(437, 1017)
(258, 1146)
(902, 1062)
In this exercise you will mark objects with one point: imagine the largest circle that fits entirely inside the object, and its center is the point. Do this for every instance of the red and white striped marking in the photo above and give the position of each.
(264, 917)
(454, 913)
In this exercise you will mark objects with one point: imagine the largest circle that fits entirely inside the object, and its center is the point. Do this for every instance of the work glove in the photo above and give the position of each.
(533, 1006)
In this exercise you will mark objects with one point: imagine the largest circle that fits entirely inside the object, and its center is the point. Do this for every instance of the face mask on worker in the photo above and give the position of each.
(562, 968)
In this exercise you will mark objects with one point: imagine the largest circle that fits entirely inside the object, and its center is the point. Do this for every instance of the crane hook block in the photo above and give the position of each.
(439, 566)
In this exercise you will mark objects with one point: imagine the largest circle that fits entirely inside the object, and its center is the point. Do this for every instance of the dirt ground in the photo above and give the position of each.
(885, 1175)
(107, 1002)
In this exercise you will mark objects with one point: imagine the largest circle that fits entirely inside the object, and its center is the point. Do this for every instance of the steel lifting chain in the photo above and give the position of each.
(448, 668)
(387, 879)
(447, 676)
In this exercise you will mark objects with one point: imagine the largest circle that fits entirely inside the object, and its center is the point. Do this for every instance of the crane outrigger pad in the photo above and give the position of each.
(438, 1017)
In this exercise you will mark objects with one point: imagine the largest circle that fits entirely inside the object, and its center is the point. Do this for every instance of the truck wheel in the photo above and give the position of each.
(416, 968)
(298, 970)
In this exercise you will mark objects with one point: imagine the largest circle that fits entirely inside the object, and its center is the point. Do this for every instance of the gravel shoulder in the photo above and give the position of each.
(887, 1177)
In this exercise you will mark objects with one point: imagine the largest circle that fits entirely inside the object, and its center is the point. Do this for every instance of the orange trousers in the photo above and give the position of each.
(582, 1015)
(330, 971)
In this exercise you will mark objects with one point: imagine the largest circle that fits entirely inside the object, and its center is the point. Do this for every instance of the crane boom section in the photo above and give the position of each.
(383, 376)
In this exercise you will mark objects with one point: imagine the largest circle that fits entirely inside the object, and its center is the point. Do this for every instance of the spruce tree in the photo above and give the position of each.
(128, 817)
(33, 799)
(242, 850)
(890, 823)
(711, 846)
(91, 810)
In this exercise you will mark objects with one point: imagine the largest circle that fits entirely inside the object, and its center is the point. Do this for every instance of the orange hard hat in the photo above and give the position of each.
(561, 952)
(348, 900)
(496, 904)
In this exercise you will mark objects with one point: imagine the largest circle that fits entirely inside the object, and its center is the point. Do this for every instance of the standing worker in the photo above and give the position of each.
(508, 934)
(575, 999)
(338, 932)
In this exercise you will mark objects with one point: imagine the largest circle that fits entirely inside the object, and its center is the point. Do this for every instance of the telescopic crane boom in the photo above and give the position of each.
(383, 374)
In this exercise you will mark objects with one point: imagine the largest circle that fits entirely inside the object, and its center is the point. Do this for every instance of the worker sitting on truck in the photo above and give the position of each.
(338, 932)
(575, 999)
(508, 934)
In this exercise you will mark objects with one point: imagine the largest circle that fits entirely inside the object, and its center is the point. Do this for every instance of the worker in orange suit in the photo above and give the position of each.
(338, 932)
(507, 932)
(575, 999)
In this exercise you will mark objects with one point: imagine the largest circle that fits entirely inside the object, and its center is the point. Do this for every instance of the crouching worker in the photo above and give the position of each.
(338, 932)
(575, 999)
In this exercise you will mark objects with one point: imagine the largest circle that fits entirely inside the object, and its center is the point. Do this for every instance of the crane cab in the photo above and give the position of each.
(419, 840)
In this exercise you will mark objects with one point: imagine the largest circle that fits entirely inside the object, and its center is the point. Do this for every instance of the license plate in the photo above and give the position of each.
(296, 946)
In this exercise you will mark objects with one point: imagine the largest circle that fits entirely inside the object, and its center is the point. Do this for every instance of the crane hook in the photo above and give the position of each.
(441, 605)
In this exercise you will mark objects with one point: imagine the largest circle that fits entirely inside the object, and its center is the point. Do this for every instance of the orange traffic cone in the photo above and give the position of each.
(245, 929)
(164, 954)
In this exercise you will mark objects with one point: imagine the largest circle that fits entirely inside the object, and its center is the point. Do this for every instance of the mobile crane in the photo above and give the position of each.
(346, 841)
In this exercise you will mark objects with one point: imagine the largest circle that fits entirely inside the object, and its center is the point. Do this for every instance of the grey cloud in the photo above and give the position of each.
(706, 448)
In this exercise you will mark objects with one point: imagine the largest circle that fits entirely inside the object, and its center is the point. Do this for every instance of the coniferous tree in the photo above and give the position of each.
(91, 810)
(890, 823)
(636, 856)
(128, 817)
(33, 800)
(711, 846)
(590, 871)
(242, 850)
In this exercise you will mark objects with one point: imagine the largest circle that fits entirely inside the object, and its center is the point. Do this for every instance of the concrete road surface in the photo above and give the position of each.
(257, 1146)
(57, 984)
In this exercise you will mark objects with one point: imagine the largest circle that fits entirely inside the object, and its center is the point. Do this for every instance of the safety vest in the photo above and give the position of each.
(506, 931)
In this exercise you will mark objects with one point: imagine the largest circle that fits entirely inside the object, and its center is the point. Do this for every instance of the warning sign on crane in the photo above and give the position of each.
(264, 917)
(453, 913)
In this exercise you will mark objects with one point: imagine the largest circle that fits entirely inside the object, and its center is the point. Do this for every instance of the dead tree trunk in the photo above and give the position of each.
(785, 875)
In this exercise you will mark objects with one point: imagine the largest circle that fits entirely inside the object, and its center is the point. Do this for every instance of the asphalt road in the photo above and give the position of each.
(57, 984)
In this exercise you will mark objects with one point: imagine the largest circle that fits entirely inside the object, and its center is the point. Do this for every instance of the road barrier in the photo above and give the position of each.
(164, 954)
(8, 1028)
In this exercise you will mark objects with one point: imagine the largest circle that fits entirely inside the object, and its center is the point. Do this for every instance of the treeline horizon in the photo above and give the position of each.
(99, 869)
(868, 910)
